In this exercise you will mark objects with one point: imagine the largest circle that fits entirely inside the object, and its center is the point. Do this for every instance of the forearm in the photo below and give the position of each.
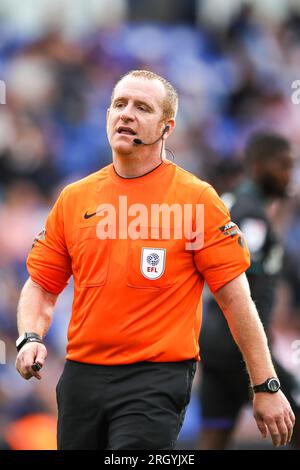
(35, 309)
(244, 323)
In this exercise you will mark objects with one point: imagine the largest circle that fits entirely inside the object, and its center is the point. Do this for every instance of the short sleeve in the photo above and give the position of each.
(224, 254)
(49, 262)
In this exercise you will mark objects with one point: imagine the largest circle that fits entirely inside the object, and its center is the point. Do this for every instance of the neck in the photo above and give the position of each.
(138, 164)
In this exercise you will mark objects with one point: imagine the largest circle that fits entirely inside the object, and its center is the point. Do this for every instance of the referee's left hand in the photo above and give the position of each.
(274, 414)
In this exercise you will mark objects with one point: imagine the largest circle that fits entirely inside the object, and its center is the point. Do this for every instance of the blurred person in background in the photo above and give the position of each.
(133, 336)
(224, 387)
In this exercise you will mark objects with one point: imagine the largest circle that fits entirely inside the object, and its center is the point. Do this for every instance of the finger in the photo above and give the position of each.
(27, 358)
(41, 356)
(292, 417)
(25, 375)
(35, 374)
(283, 431)
(28, 376)
(32, 372)
(274, 432)
(23, 368)
(39, 362)
(29, 372)
(34, 361)
(262, 427)
(36, 366)
(290, 426)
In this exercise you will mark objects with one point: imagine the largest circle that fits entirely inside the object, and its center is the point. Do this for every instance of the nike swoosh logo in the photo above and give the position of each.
(88, 216)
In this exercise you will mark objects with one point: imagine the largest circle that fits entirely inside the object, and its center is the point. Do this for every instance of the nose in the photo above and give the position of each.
(127, 114)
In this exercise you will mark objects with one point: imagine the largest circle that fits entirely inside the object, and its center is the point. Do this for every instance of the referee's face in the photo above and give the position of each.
(136, 111)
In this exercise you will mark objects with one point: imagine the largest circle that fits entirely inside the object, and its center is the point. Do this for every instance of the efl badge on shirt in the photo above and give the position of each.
(153, 262)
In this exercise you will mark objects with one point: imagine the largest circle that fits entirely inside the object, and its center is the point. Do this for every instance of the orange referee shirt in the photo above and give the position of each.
(135, 299)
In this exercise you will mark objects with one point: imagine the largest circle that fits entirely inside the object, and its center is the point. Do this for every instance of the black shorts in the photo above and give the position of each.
(134, 406)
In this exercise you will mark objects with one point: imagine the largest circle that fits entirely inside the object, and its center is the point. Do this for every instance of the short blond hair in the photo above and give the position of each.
(170, 103)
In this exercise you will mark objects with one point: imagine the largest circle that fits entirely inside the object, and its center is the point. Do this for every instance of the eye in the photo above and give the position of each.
(118, 105)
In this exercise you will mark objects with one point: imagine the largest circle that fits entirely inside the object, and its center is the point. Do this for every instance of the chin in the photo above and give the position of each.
(124, 149)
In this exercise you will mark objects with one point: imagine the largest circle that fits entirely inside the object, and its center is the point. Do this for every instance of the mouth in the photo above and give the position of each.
(125, 130)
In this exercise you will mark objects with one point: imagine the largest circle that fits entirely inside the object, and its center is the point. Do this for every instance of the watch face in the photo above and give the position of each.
(273, 385)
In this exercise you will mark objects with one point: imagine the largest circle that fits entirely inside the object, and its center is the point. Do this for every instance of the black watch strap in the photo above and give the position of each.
(30, 337)
(271, 385)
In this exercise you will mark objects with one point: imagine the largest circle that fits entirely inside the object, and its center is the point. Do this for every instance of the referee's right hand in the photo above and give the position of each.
(27, 356)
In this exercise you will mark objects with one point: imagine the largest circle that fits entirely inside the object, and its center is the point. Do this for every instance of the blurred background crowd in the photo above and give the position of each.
(233, 64)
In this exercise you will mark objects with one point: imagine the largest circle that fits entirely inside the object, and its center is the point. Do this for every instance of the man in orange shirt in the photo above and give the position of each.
(140, 237)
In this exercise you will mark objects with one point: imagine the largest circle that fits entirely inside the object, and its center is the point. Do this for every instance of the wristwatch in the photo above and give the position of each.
(27, 338)
(271, 385)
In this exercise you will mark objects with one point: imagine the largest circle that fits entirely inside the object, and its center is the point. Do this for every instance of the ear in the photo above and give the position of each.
(169, 128)
(107, 113)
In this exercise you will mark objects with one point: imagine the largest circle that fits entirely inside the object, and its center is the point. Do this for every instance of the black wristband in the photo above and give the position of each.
(28, 338)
